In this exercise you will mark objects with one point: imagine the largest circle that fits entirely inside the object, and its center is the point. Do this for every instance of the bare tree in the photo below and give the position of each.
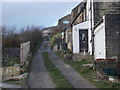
(13, 39)
(9, 37)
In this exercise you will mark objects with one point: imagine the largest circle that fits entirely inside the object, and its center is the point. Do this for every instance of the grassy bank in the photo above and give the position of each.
(87, 72)
(54, 73)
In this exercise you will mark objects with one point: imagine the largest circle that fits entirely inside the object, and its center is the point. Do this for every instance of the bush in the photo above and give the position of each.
(69, 51)
(56, 39)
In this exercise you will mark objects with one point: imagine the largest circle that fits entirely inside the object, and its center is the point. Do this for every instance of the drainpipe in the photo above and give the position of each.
(64, 35)
(92, 30)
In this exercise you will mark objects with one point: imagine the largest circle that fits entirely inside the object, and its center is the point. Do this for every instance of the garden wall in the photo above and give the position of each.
(9, 71)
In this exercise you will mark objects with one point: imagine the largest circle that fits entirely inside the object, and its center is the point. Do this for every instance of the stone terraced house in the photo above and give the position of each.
(94, 33)
(79, 33)
(84, 17)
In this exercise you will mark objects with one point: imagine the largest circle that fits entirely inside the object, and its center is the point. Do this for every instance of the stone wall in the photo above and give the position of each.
(61, 24)
(68, 38)
(9, 71)
(11, 52)
(80, 56)
(112, 30)
(100, 66)
(102, 8)
(55, 48)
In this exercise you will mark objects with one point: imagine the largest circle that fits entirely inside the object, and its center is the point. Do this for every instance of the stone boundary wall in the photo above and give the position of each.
(9, 71)
(80, 56)
(11, 52)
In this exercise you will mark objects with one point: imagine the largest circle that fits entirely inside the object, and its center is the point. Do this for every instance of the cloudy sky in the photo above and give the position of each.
(21, 14)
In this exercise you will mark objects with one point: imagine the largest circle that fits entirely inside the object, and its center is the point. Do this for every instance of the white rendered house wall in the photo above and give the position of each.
(75, 33)
(99, 42)
(75, 36)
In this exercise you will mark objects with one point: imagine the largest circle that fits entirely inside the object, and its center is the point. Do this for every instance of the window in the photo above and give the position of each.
(83, 37)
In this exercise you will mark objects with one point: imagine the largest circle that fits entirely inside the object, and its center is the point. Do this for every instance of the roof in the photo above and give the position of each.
(65, 16)
(53, 27)
(82, 8)
(98, 24)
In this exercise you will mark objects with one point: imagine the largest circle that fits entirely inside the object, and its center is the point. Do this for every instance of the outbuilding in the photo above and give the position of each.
(107, 36)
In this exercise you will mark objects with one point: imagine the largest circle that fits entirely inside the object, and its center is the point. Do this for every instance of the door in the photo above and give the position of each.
(83, 40)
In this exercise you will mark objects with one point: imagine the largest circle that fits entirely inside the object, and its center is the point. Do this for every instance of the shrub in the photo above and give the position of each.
(56, 39)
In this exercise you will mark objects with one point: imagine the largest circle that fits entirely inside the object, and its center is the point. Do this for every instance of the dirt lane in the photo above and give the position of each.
(39, 77)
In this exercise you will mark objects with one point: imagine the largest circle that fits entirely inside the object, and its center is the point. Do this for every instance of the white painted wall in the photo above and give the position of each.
(75, 33)
(99, 42)
(89, 15)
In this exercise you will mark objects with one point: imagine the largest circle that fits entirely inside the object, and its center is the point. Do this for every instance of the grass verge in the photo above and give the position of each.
(87, 72)
(55, 74)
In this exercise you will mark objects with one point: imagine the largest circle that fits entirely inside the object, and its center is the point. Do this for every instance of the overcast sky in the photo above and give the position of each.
(21, 14)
